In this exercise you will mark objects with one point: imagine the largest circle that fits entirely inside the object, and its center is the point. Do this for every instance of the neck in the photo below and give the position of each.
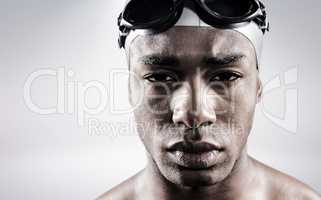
(239, 179)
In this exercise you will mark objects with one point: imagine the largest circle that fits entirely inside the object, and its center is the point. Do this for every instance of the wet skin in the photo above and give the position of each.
(195, 92)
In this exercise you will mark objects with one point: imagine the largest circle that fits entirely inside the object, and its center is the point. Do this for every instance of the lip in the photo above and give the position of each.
(194, 148)
(195, 156)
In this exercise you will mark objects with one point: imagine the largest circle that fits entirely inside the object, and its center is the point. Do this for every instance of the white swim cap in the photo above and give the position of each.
(189, 18)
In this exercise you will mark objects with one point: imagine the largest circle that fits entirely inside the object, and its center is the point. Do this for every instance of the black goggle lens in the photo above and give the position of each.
(144, 11)
(229, 8)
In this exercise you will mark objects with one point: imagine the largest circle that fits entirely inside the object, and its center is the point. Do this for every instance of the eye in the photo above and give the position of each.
(225, 77)
(160, 77)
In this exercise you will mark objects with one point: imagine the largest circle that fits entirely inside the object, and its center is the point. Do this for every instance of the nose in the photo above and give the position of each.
(191, 106)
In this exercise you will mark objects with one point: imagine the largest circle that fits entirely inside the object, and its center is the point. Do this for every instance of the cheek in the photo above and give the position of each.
(155, 104)
(242, 115)
(146, 129)
(153, 111)
(235, 110)
(150, 116)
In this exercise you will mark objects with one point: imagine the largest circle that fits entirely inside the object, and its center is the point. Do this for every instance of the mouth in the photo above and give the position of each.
(195, 156)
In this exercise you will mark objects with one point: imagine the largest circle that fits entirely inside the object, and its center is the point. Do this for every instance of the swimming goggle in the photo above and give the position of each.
(160, 15)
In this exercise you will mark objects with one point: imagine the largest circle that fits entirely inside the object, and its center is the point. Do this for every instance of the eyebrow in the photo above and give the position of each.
(162, 60)
(159, 60)
(223, 60)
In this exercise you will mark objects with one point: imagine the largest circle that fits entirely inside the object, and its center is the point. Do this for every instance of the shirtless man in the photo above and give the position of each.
(196, 72)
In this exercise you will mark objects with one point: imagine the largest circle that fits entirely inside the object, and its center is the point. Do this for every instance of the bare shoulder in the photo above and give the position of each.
(123, 191)
(282, 186)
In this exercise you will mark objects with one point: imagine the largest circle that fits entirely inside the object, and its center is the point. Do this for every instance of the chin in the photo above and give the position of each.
(204, 177)
(196, 178)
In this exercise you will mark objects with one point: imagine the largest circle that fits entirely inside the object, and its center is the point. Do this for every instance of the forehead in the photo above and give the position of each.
(192, 42)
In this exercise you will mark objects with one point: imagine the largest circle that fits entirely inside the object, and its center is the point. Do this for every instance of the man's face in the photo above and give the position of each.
(195, 90)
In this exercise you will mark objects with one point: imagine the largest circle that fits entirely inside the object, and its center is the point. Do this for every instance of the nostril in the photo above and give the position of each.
(182, 118)
(208, 123)
(181, 124)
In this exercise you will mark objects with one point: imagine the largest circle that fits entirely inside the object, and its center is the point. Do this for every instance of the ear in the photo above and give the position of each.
(259, 90)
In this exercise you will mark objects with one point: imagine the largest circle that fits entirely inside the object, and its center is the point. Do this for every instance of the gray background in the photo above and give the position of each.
(52, 157)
